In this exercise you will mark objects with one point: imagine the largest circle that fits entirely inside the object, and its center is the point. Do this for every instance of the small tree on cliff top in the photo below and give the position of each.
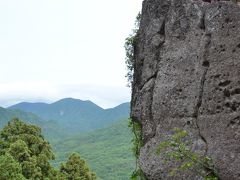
(130, 43)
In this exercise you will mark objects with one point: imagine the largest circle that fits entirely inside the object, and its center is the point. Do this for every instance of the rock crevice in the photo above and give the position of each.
(205, 64)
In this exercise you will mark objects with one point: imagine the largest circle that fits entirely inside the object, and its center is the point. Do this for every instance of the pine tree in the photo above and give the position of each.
(76, 169)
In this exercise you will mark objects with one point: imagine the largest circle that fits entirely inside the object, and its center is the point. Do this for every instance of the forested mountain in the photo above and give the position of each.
(108, 151)
(76, 115)
(51, 129)
(8, 114)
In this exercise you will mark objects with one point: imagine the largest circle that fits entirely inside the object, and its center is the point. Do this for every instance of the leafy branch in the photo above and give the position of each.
(130, 43)
(137, 144)
(176, 148)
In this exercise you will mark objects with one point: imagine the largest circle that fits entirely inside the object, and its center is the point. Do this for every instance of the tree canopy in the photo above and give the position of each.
(130, 45)
(27, 146)
(9, 168)
(76, 168)
(25, 154)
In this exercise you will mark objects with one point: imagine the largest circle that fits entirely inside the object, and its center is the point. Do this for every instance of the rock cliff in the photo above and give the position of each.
(187, 75)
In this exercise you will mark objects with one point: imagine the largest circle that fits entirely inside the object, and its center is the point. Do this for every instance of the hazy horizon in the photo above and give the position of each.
(54, 49)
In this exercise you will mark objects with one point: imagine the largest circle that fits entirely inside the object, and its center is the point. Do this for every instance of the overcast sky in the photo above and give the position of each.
(52, 49)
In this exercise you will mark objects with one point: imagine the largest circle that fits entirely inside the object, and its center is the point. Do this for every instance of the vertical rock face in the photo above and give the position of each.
(187, 75)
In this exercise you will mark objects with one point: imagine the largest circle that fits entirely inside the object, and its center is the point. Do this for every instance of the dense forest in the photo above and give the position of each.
(108, 151)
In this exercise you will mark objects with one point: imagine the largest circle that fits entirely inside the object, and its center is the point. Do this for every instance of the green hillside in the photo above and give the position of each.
(51, 129)
(108, 151)
(8, 114)
(76, 115)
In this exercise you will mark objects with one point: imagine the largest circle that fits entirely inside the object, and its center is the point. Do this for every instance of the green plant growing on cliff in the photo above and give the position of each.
(176, 148)
(130, 43)
(137, 140)
(130, 46)
(137, 144)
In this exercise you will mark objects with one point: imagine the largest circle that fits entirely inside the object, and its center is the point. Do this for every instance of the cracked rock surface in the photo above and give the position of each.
(187, 75)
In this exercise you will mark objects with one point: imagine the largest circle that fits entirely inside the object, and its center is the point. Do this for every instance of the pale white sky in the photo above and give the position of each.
(52, 49)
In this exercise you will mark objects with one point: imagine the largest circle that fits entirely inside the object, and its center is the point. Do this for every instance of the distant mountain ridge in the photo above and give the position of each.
(76, 115)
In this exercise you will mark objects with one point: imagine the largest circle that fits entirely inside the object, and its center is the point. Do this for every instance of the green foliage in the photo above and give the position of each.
(176, 148)
(107, 151)
(137, 144)
(27, 146)
(24, 154)
(130, 47)
(130, 43)
(10, 169)
(76, 168)
(138, 175)
(137, 139)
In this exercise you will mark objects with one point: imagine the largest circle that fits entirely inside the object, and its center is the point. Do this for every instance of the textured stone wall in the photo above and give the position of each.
(187, 75)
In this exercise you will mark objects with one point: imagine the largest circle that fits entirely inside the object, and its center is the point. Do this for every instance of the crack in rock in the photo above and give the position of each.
(205, 64)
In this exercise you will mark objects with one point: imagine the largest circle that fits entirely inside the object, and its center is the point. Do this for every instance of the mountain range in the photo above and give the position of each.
(75, 115)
